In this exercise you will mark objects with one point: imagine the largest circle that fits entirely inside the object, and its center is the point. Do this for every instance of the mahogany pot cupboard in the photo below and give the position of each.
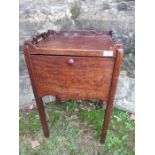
(77, 64)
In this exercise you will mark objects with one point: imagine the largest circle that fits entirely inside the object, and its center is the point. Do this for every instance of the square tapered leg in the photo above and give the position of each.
(42, 115)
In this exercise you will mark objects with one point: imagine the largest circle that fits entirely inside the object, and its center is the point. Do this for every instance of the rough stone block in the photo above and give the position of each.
(22, 66)
(122, 6)
(125, 94)
(117, 15)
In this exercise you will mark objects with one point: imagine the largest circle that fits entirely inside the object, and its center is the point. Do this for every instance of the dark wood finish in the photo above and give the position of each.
(109, 107)
(74, 65)
(100, 103)
(68, 52)
(57, 100)
(82, 80)
(79, 43)
(42, 116)
(38, 99)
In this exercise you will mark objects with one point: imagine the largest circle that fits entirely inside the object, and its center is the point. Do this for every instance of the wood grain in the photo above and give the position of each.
(117, 68)
(72, 65)
(39, 101)
(79, 43)
(87, 78)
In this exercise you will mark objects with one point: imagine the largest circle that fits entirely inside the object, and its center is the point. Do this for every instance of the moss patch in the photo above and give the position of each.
(75, 10)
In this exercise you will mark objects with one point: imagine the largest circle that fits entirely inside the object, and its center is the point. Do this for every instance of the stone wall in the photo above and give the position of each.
(118, 15)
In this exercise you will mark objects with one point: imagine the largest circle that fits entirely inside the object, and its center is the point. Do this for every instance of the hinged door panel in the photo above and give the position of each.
(73, 77)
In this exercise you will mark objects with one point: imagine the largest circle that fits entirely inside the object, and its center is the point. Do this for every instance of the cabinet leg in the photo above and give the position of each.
(100, 103)
(106, 122)
(57, 100)
(42, 115)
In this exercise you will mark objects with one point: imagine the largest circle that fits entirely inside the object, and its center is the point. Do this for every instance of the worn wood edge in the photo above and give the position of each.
(30, 69)
(115, 76)
(39, 101)
(117, 69)
(44, 35)
(33, 50)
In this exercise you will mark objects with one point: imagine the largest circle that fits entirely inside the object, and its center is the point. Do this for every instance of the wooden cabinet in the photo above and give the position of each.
(74, 65)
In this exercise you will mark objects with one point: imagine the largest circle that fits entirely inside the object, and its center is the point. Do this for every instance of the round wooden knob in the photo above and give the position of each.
(71, 61)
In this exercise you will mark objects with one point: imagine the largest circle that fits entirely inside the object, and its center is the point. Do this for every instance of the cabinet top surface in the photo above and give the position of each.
(74, 40)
